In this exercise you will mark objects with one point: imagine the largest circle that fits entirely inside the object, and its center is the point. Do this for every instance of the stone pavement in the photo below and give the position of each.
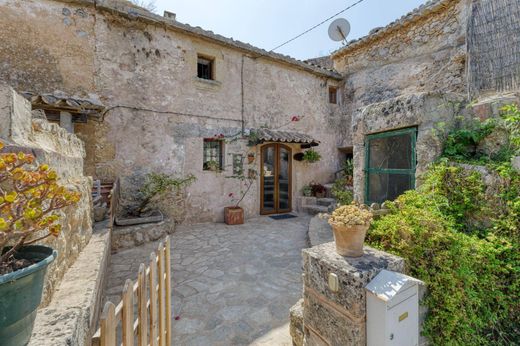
(232, 285)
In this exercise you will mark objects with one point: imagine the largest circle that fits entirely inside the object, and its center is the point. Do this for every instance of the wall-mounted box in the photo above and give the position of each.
(393, 310)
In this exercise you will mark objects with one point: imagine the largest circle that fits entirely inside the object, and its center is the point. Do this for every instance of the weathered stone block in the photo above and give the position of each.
(330, 322)
(353, 274)
(296, 323)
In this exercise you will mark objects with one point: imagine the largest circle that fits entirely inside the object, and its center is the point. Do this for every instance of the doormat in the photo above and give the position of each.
(282, 216)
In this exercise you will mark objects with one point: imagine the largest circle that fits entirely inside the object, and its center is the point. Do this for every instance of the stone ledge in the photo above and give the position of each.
(296, 323)
(135, 235)
(71, 316)
(353, 274)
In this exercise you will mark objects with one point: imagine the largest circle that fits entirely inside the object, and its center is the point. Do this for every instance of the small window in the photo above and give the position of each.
(213, 155)
(205, 67)
(333, 95)
(238, 164)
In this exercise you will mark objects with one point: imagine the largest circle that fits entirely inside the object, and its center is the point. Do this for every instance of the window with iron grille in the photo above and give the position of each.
(333, 95)
(205, 67)
(213, 155)
(390, 161)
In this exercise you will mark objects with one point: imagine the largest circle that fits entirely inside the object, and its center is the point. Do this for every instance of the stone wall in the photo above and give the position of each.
(433, 115)
(64, 152)
(144, 70)
(423, 51)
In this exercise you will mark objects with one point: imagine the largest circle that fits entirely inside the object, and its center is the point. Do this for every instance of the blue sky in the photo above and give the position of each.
(267, 23)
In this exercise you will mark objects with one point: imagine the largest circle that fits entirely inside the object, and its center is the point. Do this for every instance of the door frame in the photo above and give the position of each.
(276, 209)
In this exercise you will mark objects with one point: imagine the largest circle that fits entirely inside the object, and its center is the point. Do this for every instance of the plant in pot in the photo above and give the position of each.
(349, 225)
(234, 215)
(311, 156)
(212, 165)
(318, 190)
(30, 199)
(307, 191)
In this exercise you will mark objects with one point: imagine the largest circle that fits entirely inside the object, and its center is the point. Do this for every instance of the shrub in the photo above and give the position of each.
(341, 192)
(30, 198)
(158, 183)
(473, 278)
(317, 189)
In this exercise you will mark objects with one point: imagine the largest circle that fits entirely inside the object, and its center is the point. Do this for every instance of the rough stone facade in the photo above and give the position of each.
(63, 152)
(158, 124)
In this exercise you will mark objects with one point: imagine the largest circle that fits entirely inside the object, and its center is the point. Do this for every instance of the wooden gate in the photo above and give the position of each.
(151, 294)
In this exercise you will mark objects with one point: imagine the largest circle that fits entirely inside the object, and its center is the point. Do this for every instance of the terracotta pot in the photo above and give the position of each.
(234, 215)
(349, 239)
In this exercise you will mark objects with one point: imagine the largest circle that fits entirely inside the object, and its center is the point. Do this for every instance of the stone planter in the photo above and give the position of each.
(20, 295)
(349, 239)
(234, 215)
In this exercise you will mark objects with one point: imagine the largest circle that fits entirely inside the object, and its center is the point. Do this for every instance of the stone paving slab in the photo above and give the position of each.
(231, 285)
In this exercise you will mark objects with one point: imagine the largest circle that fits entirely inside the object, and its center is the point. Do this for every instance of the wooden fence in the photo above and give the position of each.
(151, 293)
(114, 202)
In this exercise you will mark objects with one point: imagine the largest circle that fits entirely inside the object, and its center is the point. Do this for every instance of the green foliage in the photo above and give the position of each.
(461, 144)
(473, 277)
(342, 193)
(307, 191)
(158, 183)
(348, 168)
(511, 121)
(311, 156)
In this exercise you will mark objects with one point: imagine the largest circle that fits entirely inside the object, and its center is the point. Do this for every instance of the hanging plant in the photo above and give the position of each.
(311, 156)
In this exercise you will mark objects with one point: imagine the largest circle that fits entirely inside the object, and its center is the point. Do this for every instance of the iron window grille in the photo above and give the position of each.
(213, 154)
(205, 68)
(390, 163)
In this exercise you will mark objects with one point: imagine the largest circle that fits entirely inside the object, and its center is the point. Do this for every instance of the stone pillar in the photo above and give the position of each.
(335, 314)
(66, 121)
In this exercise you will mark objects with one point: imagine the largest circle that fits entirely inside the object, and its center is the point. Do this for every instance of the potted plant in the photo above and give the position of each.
(318, 190)
(311, 156)
(234, 215)
(307, 191)
(30, 198)
(349, 225)
(212, 165)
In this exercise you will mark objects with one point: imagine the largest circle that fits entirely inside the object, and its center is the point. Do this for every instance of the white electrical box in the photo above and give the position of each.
(393, 310)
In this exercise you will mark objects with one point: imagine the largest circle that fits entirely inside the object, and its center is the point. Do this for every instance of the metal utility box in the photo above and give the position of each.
(393, 310)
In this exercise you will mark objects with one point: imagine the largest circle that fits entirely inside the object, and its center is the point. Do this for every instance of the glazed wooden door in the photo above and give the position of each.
(275, 179)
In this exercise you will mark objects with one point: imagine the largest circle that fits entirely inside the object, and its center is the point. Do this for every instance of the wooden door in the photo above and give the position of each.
(275, 179)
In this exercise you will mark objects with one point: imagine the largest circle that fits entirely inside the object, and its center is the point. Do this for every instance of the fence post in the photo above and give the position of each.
(108, 325)
(168, 293)
(153, 299)
(128, 314)
(141, 306)
(162, 316)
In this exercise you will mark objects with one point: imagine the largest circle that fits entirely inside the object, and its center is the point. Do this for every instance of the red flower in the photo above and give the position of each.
(295, 118)
(230, 194)
(177, 318)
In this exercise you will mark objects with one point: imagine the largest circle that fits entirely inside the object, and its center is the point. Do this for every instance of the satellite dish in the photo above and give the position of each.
(339, 29)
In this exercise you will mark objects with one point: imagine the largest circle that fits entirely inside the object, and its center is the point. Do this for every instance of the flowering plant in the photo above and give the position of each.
(29, 200)
(350, 215)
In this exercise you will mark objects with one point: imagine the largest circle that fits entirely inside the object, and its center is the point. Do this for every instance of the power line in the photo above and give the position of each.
(317, 25)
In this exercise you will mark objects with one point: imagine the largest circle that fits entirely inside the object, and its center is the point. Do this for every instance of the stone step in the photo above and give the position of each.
(325, 201)
(314, 209)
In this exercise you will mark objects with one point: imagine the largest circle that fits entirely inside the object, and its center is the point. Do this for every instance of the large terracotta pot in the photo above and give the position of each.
(349, 239)
(234, 215)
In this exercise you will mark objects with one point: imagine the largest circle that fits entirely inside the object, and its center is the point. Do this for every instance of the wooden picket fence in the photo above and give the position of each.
(152, 295)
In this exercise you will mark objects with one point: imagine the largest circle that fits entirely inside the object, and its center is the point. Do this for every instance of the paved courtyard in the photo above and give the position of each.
(232, 285)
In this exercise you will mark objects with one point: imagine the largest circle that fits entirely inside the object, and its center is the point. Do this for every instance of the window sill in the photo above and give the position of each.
(207, 84)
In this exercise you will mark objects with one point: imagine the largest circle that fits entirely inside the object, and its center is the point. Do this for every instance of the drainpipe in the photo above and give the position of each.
(242, 95)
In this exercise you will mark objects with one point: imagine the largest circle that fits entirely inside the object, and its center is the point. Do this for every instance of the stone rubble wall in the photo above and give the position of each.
(64, 152)
(423, 55)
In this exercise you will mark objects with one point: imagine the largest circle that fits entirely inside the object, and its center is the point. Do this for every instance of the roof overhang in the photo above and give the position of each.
(267, 135)
(60, 102)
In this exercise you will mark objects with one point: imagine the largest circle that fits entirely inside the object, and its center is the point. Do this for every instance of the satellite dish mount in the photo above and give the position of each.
(339, 30)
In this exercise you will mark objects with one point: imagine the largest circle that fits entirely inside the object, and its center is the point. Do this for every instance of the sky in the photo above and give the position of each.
(268, 23)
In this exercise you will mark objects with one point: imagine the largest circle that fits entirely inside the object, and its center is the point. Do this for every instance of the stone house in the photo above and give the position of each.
(170, 91)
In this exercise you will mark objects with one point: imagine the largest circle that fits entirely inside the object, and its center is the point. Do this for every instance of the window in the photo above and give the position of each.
(213, 158)
(238, 164)
(333, 95)
(205, 67)
(390, 161)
